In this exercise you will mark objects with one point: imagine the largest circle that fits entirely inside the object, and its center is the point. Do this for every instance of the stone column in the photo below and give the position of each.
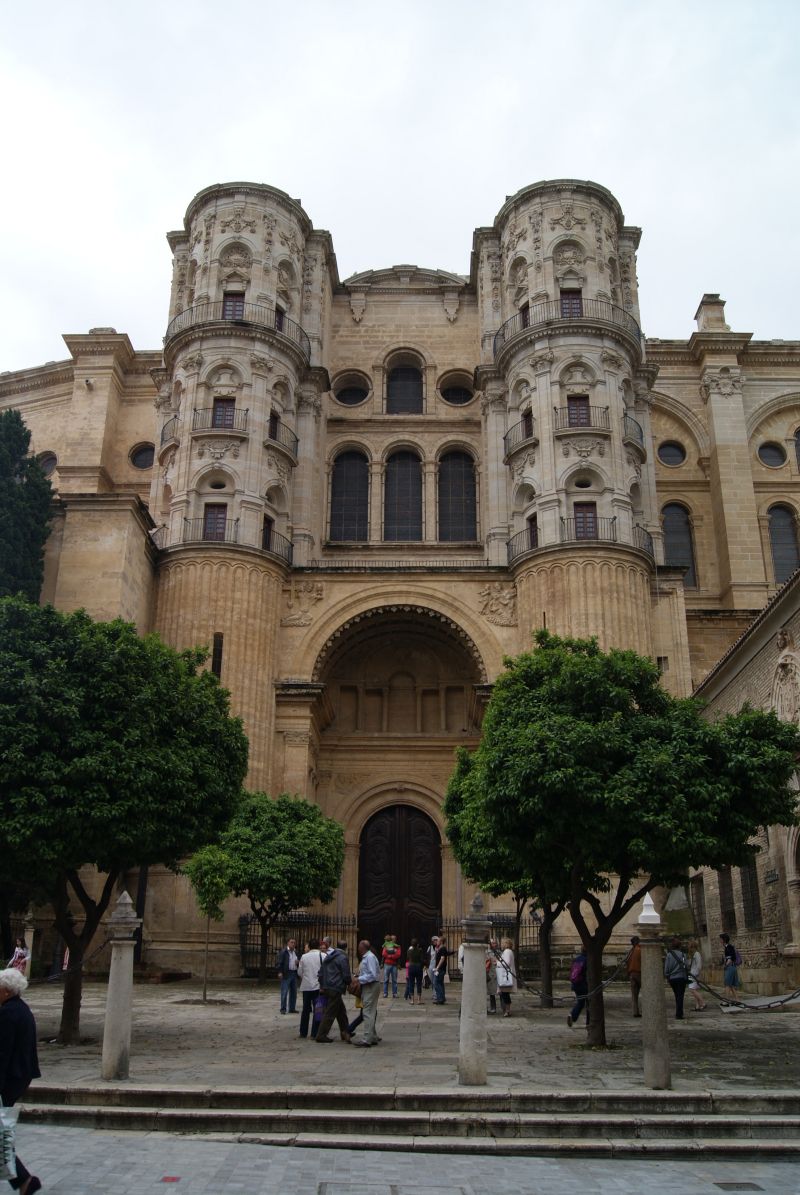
(472, 1026)
(653, 1000)
(123, 924)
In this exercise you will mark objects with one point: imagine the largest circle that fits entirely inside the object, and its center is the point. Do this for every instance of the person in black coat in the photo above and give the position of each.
(18, 1061)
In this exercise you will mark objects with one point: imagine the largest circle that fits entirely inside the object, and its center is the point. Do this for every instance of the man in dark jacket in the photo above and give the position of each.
(287, 974)
(334, 980)
(18, 1061)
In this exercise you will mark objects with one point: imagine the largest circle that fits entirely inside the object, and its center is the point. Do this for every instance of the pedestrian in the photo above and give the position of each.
(731, 960)
(287, 974)
(390, 956)
(21, 957)
(308, 974)
(676, 972)
(430, 961)
(633, 967)
(579, 982)
(369, 974)
(414, 965)
(506, 975)
(439, 971)
(334, 980)
(695, 971)
(18, 1061)
(492, 955)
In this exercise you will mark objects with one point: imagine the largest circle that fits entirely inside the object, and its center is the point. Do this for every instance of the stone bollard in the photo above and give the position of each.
(472, 1026)
(122, 924)
(654, 1007)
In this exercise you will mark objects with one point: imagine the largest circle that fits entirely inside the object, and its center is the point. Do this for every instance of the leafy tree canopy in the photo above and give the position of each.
(25, 504)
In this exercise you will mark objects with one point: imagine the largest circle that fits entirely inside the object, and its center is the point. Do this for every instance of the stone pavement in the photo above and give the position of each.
(84, 1162)
(246, 1042)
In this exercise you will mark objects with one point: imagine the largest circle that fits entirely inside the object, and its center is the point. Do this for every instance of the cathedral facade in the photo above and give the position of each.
(361, 495)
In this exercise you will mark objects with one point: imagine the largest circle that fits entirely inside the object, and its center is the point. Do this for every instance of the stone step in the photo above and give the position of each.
(333, 1123)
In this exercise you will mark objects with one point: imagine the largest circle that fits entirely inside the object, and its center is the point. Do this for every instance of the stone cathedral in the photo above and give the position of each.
(361, 494)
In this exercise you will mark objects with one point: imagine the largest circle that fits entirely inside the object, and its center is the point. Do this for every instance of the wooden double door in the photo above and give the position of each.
(400, 877)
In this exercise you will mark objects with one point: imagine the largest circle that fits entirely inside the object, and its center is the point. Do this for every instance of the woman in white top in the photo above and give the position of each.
(308, 974)
(695, 971)
(506, 971)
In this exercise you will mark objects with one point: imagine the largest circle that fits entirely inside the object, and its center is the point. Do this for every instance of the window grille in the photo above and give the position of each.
(215, 516)
(571, 303)
(233, 306)
(751, 900)
(350, 498)
(216, 654)
(783, 540)
(585, 520)
(402, 513)
(223, 412)
(578, 413)
(678, 547)
(457, 506)
(727, 908)
(404, 391)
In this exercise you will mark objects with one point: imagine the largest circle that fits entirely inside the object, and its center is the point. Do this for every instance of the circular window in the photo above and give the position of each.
(48, 462)
(457, 396)
(671, 453)
(216, 485)
(142, 456)
(351, 396)
(772, 454)
(583, 483)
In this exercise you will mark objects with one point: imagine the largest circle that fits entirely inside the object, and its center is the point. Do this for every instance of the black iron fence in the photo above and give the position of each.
(300, 926)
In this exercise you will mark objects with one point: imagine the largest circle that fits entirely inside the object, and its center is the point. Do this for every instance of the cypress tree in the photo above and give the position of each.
(25, 510)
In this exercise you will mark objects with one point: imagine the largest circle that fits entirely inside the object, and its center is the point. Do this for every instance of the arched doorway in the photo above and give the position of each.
(399, 876)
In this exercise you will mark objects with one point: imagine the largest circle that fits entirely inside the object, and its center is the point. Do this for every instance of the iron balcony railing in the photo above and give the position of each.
(220, 419)
(520, 433)
(591, 531)
(228, 532)
(581, 418)
(631, 430)
(283, 435)
(539, 315)
(260, 315)
(170, 429)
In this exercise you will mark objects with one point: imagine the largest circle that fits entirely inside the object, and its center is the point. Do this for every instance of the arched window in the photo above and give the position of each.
(404, 391)
(678, 548)
(797, 447)
(350, 497)
(402, 507)
(457, 510)
(783, 539)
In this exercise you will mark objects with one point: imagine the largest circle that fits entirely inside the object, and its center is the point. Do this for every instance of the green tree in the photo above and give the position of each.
(487, 862)
(587, 765)
(115, 751)
(208, 873)
(281, 854)
(25, 504)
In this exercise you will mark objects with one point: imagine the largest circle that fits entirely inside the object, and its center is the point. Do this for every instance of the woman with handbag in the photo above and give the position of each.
(18, 1061)
(506, 975)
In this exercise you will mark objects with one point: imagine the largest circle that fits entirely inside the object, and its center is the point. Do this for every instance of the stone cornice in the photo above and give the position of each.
(248, 191)
(551, 190)
(101, 344)
(22, 381)
(715, 344)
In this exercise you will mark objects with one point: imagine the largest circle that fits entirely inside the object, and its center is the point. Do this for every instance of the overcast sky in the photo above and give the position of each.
(401, 127)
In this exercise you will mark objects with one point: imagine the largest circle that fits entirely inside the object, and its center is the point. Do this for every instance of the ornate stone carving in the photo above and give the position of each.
(193, 363)
(786, 682)
(451, 302)
(236, 257)
(296, 738)
(498, 604)
(262, 364)
(309, 268)
(358, 305)
(300, 597)
(279, 468)
(216, 449)
(569, 256)
(612, 360)
(167, 465)
(567, 219)
(269, 232)
(627, 274)
(514, 235)
(584, 447)
(290, 244)
(238, 221)
(527, 462)
(726, 381)
(309, 400)
(541, 359)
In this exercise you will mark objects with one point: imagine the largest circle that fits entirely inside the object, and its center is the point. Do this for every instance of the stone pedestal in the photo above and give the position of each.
(653, 1001)
(472, 1026)
(123, 924)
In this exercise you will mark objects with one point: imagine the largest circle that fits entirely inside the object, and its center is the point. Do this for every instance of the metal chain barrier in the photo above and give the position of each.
(59, 975)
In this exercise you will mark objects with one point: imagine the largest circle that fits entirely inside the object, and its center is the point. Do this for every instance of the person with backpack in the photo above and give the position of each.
(334, 980)
(676, 972)
(731, 961)
(579, 983)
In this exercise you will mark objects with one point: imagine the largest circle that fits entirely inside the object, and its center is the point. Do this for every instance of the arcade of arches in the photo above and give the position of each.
(402, 689)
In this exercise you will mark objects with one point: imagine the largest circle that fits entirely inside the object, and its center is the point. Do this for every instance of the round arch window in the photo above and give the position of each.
(671, 453)
(772, 454)
(142, 455)
(48, 462)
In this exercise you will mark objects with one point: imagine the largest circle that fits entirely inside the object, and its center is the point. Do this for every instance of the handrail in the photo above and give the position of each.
(277, 545)
(550, 311)
(281, 434)
(520, 433)
(631, 430)
(261, 315)
(170, 430)
(566, 419)
(196, 531)
(227, 420)
(591, 528)
(605, 531)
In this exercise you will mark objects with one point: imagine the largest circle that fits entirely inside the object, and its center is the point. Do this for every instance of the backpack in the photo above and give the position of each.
(577, 970)
(737, 957)
(330, 975)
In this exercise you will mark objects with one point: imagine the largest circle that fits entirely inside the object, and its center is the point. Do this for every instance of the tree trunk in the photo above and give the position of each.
(7, 942)
(546, 958)
(78, 944)
(69, 1029)
(597, 1012)
(205, 960)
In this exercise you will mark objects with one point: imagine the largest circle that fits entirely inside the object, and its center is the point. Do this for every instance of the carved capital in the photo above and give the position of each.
(542, 360)
(261, 364)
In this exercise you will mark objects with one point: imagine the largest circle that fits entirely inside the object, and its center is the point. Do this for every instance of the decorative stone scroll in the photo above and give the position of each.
(584, 448)
(567, 219)
(217, 450)
(358, 305)
(238, 221)
(498, 604)
(726, 382)
(451, 302)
